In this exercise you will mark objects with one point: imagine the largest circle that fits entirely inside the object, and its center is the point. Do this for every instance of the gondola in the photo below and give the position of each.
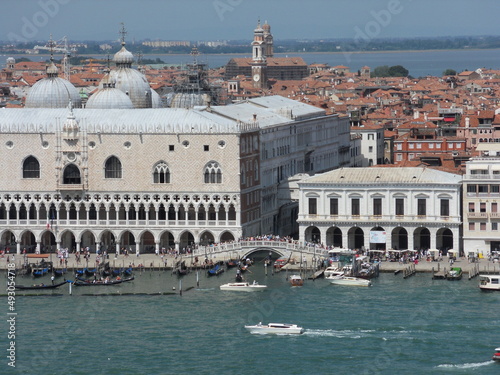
(42, 286)
(90, 272)
(58, 273)
(128, 271)
(117, 272)
(232, 263)
(40, 272)
(216, 270)
(82, 282)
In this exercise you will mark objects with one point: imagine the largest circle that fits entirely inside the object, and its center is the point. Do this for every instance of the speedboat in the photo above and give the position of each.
(276, 329)
(489, 282)
(296, 280)
(348, 280)
(336, 271)
(244, 287)
(496, 356)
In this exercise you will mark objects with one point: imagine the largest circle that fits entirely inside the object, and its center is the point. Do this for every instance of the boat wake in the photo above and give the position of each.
(466, 365)
(358, 334)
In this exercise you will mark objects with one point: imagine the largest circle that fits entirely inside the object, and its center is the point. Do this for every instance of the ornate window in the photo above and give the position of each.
(213, 173)
(161, 174)
(71, 175)
(113, 168)
(31, 168)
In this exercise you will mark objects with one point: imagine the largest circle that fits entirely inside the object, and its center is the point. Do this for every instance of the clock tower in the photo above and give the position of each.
(259, 63)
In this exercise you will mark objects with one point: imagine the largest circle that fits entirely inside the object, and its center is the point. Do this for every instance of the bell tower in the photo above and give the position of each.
(259, 63)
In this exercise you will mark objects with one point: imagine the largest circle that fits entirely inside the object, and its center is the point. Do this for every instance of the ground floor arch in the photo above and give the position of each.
(444, 240)
(356, 238)
(399, 238)
(334, 237)
(421, 239)
(313, 234)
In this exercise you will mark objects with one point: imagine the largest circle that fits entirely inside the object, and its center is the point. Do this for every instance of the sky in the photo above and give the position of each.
(201, 20)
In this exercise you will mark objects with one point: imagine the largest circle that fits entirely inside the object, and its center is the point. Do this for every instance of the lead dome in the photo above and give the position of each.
(52, 92)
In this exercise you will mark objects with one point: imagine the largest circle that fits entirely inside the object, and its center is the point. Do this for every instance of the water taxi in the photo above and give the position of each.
(276, 329)
(243, 287)
(296, 280)
(348, 280)
(489, 282)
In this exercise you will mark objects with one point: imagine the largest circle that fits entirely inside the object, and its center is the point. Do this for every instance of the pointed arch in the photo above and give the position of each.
(161, 173)
(212, 173)
(71, 175)
(113, 168)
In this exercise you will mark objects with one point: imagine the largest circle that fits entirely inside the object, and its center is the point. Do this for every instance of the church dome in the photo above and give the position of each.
(156, 101)
(52, 92)
(185, 100)
(109, 98)
(134, 84)
(11, 60)
(123, 57)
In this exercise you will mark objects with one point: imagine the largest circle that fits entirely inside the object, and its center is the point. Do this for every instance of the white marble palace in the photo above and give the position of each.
(123, 172)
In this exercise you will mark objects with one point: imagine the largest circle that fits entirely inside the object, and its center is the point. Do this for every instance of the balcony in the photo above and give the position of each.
(477, 215)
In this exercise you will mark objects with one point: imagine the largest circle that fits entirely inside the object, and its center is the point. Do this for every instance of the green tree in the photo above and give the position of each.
(381, 71)
(398, 71)
(450, 72)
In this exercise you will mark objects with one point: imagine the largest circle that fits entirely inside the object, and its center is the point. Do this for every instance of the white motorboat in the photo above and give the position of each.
(276, 329)
(243, 287)
(337, 271)
(348, 280)
(489, 282)
(496, 355)
(296, 280)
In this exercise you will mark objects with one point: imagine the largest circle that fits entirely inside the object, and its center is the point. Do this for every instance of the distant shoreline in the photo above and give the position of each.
(282, 53)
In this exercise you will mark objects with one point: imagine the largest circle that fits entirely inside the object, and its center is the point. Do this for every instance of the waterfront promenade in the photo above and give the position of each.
(168, 261)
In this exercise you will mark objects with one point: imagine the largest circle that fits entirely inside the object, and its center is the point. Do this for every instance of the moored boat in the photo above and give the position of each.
(41, 286)
(489, 282)
(216, 270)
(276, 329)
(348, 280)
(454, 274)
(82, 282)
(40, 272)
(243, 287)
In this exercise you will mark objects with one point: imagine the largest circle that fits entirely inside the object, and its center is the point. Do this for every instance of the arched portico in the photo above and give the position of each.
(334, 237)
(422, 239)
(313, 234)
(399, 238)
(444, 239)
(355, 238)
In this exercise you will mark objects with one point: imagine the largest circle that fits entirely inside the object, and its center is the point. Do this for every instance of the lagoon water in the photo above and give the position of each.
(397, 326)
(419, 63)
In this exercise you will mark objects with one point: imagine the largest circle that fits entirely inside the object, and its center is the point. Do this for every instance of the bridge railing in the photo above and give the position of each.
(237, 249)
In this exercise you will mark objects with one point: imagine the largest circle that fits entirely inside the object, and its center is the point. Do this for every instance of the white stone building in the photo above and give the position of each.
(123, 173)
(481, 197)
(382, 208)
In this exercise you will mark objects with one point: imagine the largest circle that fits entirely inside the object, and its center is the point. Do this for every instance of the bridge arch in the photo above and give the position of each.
(276, 252)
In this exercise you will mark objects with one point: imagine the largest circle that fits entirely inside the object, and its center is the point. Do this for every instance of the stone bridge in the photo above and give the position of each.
(243, 249)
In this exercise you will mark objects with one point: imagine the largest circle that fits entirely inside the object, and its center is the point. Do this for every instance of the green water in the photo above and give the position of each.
(412, 326)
